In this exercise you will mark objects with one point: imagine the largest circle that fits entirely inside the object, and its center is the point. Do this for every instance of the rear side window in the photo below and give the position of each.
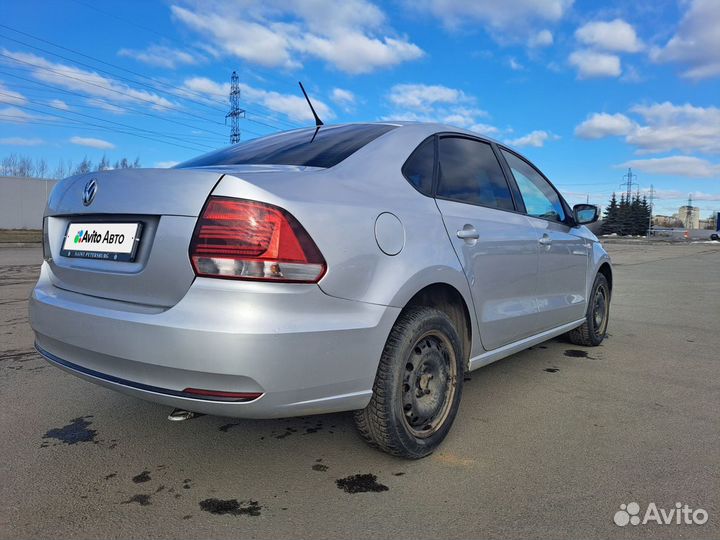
(469, 172)
(541, 200)
(418, 168)
(330, 146)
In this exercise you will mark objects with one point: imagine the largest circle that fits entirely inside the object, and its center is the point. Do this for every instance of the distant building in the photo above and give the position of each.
(690, 216)
(709, 223)
(666, 221)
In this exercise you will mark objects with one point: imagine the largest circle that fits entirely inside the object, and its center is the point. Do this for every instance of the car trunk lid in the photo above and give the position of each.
(165, 202)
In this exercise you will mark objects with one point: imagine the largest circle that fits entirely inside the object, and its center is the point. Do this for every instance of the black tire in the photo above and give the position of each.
(593, 330)
(418, 386)
(714, 237)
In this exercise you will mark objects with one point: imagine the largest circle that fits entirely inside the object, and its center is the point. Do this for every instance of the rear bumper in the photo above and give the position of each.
(304, 351)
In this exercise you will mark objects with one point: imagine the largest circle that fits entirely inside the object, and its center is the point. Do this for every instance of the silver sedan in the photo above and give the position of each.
(357, 267)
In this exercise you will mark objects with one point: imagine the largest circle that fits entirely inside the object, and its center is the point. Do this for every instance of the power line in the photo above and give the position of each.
(182, 91)
(196, 149)
(71, 123)
(111, 122)
(90, 96)
(106, 88)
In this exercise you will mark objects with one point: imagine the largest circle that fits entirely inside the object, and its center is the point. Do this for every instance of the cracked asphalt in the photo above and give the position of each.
(548, 443)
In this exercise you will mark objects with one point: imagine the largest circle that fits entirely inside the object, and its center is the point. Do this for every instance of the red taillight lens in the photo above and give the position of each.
(240, 239)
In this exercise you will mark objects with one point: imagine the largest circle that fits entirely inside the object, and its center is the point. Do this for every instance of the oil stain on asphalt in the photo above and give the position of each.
(142, 500)
(577, 353)
(75, 432)
(360, 483)
(142, 477)
(231, 507)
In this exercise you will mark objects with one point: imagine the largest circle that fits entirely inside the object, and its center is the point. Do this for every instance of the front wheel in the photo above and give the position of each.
(593, 330)
(417, 387)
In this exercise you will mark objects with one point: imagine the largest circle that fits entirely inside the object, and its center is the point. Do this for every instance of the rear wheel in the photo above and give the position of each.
(592, 332)
(417, 387)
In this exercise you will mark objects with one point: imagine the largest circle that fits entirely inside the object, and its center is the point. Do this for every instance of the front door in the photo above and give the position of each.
(564, 254)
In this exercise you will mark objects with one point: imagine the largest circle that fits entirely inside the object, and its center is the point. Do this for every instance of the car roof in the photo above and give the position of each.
(429, 127)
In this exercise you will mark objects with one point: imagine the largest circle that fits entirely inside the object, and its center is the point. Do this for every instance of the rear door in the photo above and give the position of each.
(496, 245)
(564, 254)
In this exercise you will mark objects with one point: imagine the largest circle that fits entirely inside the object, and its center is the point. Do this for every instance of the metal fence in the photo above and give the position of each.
(22, 201)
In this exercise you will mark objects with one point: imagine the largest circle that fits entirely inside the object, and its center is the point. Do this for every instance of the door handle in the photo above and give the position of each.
(468, 232)
(545, 240)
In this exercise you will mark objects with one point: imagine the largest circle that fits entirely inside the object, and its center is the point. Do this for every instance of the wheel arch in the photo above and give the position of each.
(449, 300)
(606, 271)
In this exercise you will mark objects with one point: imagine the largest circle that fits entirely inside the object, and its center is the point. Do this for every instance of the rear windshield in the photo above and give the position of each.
(330, 146)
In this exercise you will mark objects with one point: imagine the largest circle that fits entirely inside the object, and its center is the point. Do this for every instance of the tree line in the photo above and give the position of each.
(628, 217)
(25, 166)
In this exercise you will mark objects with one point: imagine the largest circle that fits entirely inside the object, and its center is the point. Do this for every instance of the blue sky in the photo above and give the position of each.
(585, 89)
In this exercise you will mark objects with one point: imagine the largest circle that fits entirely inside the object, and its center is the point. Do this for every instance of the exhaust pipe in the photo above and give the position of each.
(178, 415)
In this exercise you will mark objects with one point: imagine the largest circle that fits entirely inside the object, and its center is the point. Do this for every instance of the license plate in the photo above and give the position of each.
(108, 241)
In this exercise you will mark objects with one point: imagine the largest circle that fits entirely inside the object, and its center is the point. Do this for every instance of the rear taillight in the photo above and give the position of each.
(240, 239)
(46, 241)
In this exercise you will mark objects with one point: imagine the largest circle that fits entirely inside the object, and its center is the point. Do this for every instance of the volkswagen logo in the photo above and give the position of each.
(89, 192)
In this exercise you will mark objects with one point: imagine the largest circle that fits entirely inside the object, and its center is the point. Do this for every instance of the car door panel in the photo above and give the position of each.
(501, 267)
(562, 268)
(563, 252)
(496, 245)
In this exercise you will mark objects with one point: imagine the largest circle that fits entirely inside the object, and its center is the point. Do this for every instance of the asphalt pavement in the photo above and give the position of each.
(548, 443)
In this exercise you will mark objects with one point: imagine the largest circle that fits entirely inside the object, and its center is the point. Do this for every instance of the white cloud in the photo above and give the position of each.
(351, 35)
(616, 36)
(162, 56)
(543, 38)
(515, 65)
(342, 97)
(10, 96)
(485, 129)
(356, 53)
(508, 20)
(166, 164)
(677, 127)
(106, 106)
(696, 44)
(662, 127)
(13, 115)
(437, 103)
(92, 143)
(60, 104)
(421, 96)
(20, 141)
(601, 125)
(535, 139)
(685, 166)
(591, 64)
(671, 194)
(87, 82)
(294, 106)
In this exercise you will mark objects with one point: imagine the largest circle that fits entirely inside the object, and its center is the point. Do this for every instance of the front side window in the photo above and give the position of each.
(418, 168)
(540, 199)
(469, 172)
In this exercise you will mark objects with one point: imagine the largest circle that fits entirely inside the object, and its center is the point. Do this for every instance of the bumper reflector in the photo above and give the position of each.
(222, 395)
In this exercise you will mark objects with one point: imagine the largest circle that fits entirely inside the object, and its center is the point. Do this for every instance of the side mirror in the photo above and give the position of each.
(585, 213)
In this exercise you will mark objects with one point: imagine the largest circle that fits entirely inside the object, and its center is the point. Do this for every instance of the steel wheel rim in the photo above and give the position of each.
(600, 310)
(428, 385)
